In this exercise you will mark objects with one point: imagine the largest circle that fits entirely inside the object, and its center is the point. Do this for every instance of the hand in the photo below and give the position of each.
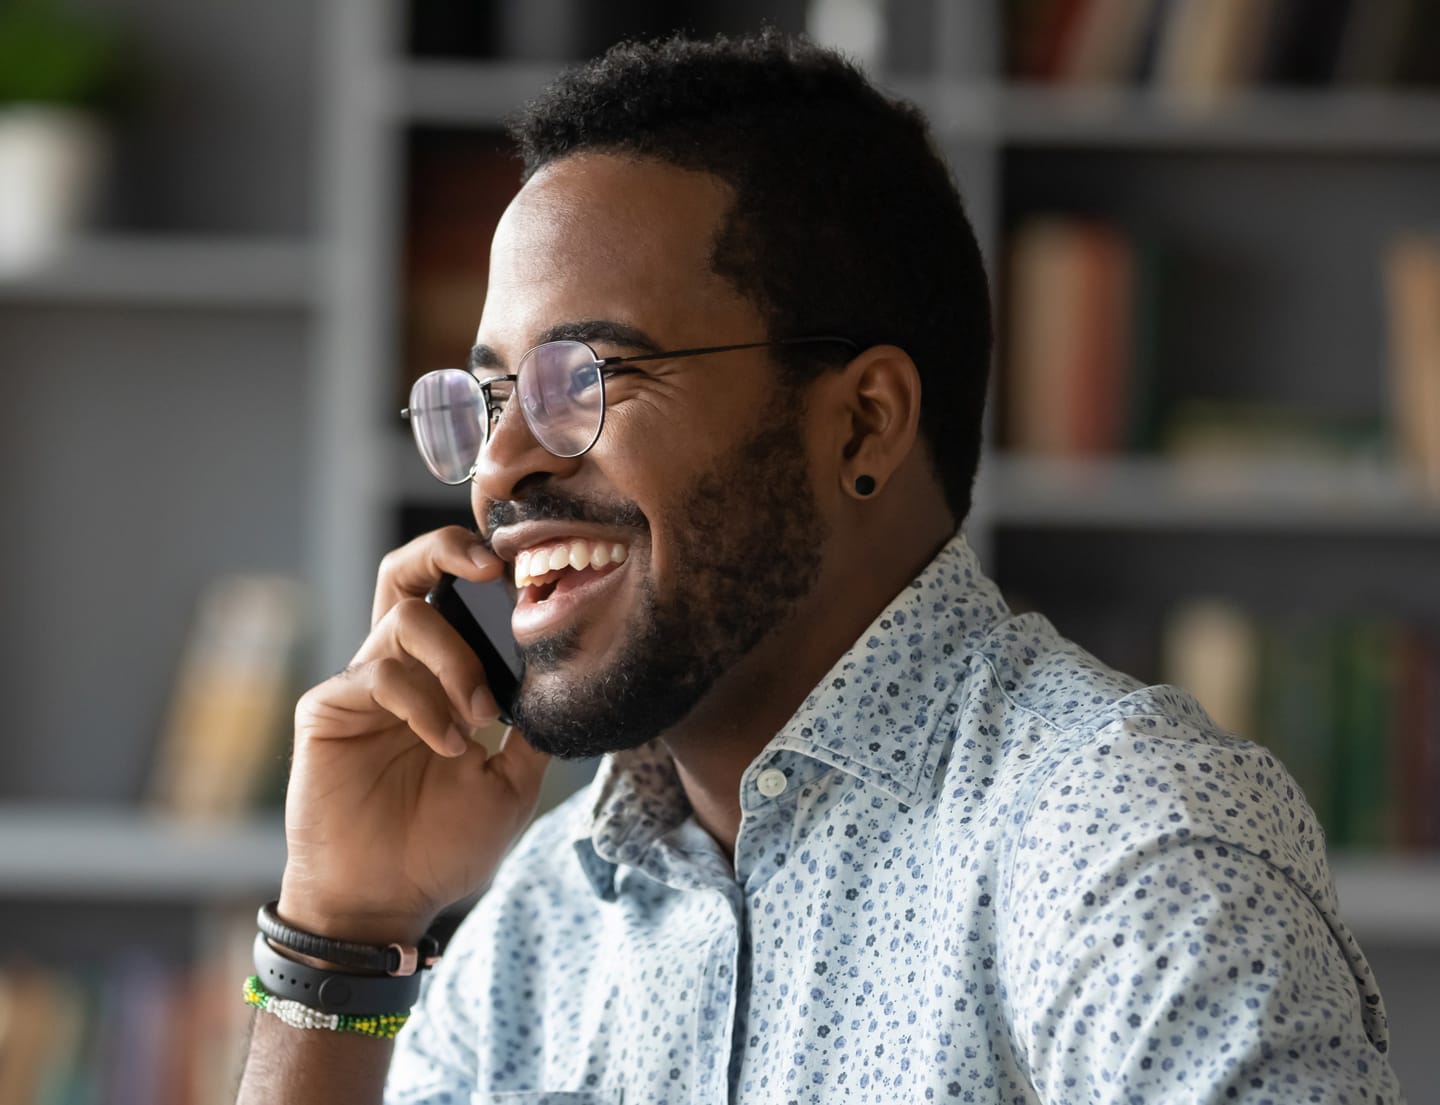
(391, 813)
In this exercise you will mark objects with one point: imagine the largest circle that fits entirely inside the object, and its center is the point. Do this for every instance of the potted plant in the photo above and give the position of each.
(56, 72)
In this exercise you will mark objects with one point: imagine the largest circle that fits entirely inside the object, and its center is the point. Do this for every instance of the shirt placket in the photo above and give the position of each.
(716, 1018)
(688, 861)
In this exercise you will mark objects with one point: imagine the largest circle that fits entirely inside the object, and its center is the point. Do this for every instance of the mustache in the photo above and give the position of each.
(547, 505)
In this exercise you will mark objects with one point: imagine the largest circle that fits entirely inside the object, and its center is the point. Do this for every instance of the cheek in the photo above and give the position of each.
(658, 433)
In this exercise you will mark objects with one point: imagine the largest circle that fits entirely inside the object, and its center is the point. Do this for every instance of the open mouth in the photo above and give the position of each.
(558, 567)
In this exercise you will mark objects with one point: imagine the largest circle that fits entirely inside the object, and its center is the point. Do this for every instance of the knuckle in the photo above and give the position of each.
(386, 673)
(390, 563)
(409, 614)
(307, 704)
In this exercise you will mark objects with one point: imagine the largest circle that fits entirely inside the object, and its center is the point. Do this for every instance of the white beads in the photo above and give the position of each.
(301, 1016)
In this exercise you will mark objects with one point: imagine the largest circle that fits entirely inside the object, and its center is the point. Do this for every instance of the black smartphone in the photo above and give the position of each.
(480, 613)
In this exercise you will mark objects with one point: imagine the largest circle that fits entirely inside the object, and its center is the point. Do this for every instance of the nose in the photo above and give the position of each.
(513, 457)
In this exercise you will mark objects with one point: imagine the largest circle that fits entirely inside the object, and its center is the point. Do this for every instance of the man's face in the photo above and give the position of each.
(694, 516)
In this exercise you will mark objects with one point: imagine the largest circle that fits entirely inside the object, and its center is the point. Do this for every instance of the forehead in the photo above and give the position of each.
(600, 236)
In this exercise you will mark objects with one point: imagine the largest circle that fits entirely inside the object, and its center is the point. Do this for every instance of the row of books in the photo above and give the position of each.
(134, 1032)
(1084, 308)
(1351, 706)
(1200, 49)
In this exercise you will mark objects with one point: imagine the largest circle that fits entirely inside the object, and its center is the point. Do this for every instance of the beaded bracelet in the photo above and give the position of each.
(380, 1026)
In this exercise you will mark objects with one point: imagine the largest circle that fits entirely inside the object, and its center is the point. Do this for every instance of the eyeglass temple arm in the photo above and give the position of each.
(606, 362)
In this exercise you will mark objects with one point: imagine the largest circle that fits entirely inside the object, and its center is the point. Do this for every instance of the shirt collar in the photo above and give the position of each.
(877, 715)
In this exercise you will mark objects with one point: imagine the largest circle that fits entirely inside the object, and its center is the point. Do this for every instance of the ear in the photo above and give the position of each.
(878, 407)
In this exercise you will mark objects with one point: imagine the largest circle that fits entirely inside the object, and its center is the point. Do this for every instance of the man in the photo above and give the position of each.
(862, 834)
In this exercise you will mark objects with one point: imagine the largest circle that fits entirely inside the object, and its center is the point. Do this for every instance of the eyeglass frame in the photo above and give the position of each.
(605, 368)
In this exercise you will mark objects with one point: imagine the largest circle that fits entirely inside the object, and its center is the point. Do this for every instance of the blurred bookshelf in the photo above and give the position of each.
(291, 242)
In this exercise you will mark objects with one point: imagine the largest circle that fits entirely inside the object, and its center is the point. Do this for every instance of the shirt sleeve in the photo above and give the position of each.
(1170, 934)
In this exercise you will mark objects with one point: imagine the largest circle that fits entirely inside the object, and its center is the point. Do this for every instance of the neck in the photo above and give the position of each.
(752, 702)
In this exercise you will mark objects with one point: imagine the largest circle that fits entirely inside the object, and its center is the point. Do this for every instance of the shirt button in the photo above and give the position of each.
(771, 782)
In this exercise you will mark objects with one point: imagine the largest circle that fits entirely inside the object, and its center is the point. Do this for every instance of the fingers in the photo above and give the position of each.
(415, 632)
(369, 698)
(410, 694)
(519, 762)
(411, 570)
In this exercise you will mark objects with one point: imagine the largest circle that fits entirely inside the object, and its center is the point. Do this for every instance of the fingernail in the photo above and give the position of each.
(454, 743)
(480, 553)
(482, 706)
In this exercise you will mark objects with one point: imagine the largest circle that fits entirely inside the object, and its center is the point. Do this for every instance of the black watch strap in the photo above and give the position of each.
(386, 959)
(333, 991)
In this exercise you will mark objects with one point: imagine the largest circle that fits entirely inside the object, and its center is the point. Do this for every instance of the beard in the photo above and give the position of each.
(748, 545)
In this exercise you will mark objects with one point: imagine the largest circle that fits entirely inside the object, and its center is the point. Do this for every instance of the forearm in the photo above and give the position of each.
(303, 1066)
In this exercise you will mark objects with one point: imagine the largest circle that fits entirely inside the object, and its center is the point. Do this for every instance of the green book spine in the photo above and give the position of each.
(1367, 735)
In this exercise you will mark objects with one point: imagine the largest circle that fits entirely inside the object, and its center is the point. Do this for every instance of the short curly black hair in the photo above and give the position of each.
(845, 219)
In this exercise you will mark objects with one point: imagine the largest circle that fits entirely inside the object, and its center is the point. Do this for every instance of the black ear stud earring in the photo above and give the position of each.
(864, 486)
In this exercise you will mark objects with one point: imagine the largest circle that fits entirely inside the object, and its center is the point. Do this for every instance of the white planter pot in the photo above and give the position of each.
(51, 162)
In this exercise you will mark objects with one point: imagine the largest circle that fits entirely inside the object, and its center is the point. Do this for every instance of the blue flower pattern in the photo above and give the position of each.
(997, 872)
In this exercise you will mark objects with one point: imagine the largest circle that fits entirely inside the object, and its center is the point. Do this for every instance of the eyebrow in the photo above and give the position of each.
(605, 331)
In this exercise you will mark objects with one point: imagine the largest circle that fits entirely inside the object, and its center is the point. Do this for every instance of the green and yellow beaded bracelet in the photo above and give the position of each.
(380, 1026)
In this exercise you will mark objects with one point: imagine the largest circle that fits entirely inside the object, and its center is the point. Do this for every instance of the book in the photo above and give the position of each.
(1041, 32)
(1070, 330)
(33, 1029)
(1297, 702)
(1211, 47)
(228, 722)
(1367, 810)
(1412, 295)
(1417, 740)
(1373, 45)
(1211, 649)
(1106, 43)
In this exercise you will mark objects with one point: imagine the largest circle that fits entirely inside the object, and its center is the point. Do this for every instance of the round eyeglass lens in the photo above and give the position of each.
(562, 396)
(446, 415)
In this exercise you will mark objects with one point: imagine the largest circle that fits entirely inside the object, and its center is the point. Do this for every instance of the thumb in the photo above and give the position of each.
(519, 763)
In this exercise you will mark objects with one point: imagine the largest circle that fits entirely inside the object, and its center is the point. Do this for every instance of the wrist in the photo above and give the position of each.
(346, 921)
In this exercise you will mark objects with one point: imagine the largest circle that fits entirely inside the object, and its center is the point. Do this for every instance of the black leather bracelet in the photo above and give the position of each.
(386, 959)
(333, 991)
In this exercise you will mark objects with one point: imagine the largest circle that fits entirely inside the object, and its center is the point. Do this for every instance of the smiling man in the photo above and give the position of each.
(860, 833)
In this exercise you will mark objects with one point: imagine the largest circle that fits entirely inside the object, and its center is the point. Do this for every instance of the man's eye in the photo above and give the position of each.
(498, 398)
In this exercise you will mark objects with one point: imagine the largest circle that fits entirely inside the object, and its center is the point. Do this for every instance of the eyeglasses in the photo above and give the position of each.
(561, 385)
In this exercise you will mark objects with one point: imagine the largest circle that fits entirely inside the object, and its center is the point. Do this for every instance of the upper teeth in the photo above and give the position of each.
(535, 565)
